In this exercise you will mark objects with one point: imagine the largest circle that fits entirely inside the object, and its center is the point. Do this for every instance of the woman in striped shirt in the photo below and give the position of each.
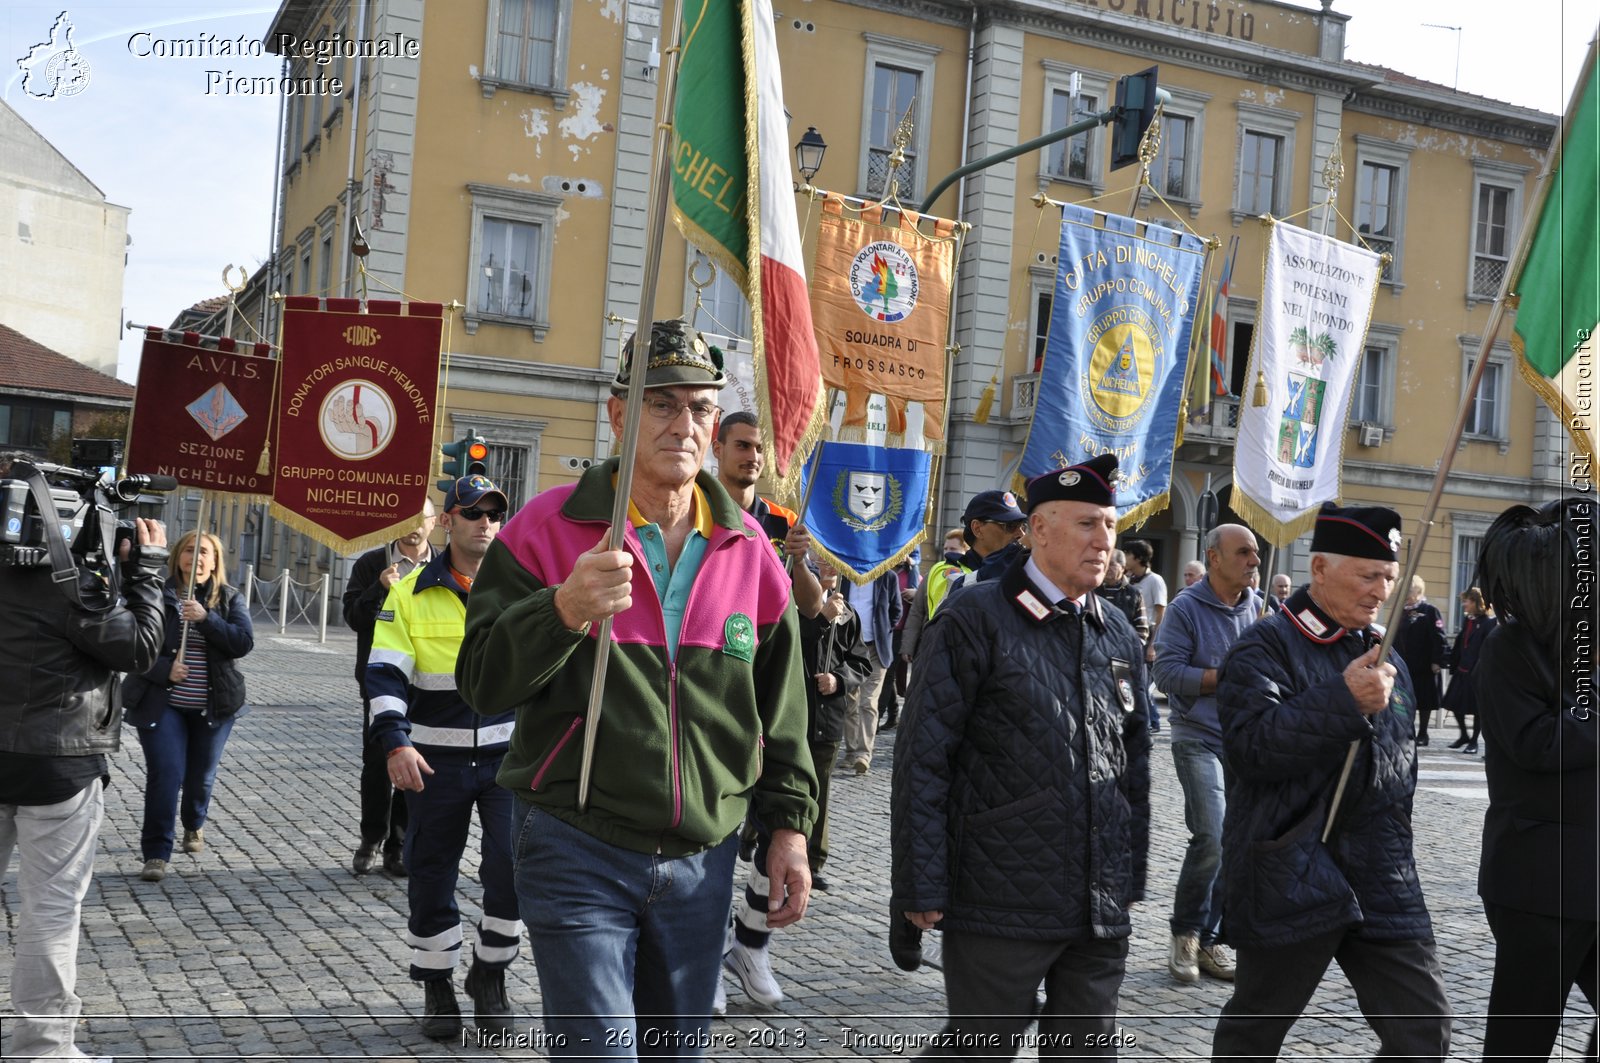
(190, 698)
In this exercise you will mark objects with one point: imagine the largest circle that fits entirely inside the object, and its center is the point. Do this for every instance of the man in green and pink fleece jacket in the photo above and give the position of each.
(704, 713)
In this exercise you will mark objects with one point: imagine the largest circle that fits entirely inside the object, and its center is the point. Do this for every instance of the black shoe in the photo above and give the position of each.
(818, 883)
(394, 864)
(1471, 749)
(366, 857)
(491, 1011)
(905, 941)
(889, 724)
(441, 1015)
(1458, 743)
(1422, 740)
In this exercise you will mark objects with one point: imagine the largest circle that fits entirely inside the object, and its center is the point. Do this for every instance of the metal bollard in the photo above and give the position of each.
(322, 618)
(249, 582)
(283, 603)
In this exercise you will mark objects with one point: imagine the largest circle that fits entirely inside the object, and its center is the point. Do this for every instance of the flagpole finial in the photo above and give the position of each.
(1332, 178)
(897, 158)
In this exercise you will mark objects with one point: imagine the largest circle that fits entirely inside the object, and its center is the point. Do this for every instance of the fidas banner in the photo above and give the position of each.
(203, 415)
(1316, 302)
(355, 418)
(880, 300)
(1121, 323)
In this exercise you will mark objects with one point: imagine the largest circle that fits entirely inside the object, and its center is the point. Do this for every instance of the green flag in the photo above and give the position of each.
(1555, 285)
(710, 174)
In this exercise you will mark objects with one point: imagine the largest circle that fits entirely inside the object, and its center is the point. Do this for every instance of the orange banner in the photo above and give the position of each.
(880, 301)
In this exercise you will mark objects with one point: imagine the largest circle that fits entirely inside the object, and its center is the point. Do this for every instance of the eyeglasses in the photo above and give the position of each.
(667, 409)
(1008, 525)
(474, 513)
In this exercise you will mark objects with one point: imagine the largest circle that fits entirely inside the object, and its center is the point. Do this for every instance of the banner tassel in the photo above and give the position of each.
(1258, 396)
(986, 401)
(264, 466)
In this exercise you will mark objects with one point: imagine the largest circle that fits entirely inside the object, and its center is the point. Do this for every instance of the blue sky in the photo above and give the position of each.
(196, 167)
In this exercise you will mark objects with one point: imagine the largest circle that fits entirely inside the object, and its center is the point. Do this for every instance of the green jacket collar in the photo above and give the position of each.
(593, 498)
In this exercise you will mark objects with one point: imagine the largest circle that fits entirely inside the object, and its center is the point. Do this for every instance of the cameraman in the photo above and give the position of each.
(59, 718)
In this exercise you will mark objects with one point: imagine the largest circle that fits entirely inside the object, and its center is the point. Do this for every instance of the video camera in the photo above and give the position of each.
(41, 501)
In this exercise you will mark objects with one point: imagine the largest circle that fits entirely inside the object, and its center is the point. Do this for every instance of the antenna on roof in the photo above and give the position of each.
(1456, 84)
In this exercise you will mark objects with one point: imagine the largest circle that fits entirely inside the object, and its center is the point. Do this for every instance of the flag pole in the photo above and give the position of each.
(1447, 459)
(643, 334)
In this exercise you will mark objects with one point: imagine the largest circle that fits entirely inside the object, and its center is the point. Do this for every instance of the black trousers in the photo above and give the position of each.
(990, 985)
(1537, 961)
(1398, 985)
(383, 808)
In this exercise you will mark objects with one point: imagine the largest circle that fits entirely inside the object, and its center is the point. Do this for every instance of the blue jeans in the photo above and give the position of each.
(1197, 905)
(181, 752)
(628, 945)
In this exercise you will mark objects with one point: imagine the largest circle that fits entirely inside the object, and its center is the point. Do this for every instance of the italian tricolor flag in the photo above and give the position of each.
(733, 197)
(1555, 283)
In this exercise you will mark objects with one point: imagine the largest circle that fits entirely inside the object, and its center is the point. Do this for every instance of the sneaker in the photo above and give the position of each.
(719, 1002)
(862, 765)
(1422, 740)
(1470, 749)
(154, 870)
(754, 970)
(366, 857)
(1184, 959)
(491, 1010)
(194, 841)
(441, 1015)
(1214, 960)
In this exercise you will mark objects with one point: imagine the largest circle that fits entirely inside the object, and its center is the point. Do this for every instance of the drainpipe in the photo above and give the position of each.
(350, 184)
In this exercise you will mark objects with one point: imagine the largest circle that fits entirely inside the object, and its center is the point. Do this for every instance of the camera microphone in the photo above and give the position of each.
(129, 488)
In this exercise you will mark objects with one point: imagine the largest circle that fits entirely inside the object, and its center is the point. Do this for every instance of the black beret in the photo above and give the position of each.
(1357, 531)
(1091, 481)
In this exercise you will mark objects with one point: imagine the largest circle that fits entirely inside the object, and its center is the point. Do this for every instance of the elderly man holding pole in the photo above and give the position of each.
(625, 883)
(1295, 691)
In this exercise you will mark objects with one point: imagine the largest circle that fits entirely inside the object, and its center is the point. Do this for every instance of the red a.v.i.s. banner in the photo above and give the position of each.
(203, 414)
(356, 411)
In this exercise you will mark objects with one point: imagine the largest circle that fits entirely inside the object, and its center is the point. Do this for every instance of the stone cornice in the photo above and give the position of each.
(543, 379)
(1362, 87)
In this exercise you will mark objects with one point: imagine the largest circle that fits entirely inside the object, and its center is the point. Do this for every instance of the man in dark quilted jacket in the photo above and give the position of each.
(1021, 785)
(1295, 691)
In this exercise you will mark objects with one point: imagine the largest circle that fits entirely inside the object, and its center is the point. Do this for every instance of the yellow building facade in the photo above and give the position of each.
(496, 152)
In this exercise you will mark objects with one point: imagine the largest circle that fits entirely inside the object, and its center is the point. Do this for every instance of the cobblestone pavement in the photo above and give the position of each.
(266, 945)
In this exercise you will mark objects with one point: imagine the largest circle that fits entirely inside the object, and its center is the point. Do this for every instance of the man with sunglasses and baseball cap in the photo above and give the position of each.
(703, 716)
(445, 758)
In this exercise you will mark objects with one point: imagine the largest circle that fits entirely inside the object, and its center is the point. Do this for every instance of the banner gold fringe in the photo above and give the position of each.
(862, 579)
(1143, 511)
(1555, 400)
(1277, 532)
(333, 542)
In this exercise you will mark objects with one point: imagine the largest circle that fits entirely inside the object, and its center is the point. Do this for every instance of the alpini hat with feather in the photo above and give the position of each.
(679, 357)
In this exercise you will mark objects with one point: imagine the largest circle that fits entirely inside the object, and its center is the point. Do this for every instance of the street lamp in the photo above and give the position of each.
(808, 154)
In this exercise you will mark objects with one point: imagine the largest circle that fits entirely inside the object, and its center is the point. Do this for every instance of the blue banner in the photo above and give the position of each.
(868, 508)
(1114, 363)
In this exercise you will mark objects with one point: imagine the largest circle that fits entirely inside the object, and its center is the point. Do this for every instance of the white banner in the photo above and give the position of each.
(1316, 303)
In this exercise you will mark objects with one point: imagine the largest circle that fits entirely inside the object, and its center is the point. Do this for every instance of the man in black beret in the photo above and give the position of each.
(1020, 798)
(1295, 691)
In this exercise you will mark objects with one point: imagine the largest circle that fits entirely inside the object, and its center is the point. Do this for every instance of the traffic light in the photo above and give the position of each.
(465, 457)
(1136, 108)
